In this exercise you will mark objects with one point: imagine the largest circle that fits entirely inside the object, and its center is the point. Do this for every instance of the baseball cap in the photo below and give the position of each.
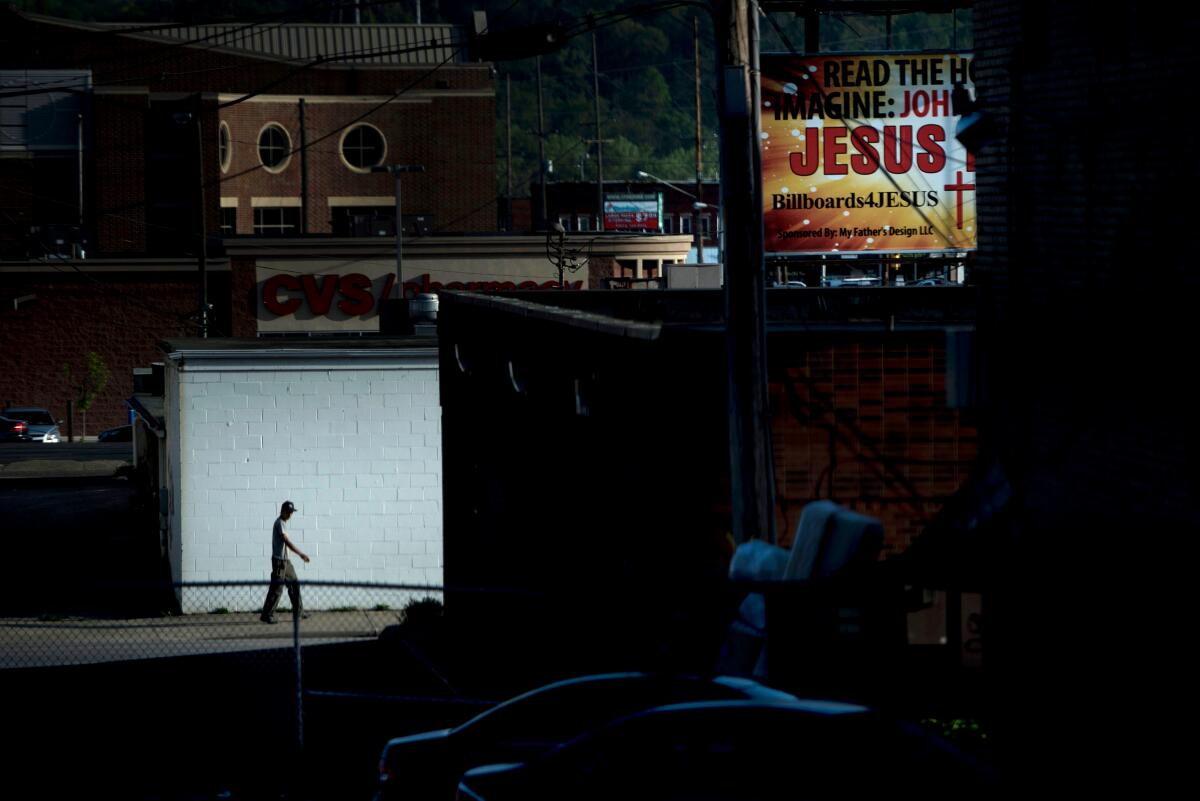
(288, 506)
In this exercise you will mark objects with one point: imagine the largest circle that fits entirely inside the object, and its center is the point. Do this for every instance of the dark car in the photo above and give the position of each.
(42, 426)
(741, 751)
(13, 430)
(118, 434)
(429, 765)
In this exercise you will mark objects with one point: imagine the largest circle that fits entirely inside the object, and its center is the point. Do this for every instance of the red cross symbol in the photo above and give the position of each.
(959, 187)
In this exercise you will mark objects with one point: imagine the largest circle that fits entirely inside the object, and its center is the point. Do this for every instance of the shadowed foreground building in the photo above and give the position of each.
(587, 462)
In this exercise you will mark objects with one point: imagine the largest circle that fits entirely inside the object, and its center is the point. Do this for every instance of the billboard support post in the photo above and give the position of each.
(751, 470)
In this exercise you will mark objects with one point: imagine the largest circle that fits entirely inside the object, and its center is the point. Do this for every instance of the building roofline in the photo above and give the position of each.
(296, 43)
(112, 265)
(299, 353)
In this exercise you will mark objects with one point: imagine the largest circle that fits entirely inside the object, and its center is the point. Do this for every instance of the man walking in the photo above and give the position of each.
(282, 571)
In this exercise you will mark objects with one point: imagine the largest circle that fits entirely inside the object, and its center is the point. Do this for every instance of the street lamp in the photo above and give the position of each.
(397, 170)
(697, 236)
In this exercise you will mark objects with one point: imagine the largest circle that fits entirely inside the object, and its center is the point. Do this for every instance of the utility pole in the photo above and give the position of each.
(751, 470)
(203, 229)
(696, 233)
(184, 118)
(541, 143)
(812, 31)
(79, 142)
(599, 141)
(508, 216)
(303, 171)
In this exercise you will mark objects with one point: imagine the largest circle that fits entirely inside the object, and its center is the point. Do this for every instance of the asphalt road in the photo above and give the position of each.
(79, 544)
(11, 452)
(33, 460)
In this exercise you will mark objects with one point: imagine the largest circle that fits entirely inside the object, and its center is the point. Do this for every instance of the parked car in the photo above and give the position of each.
(42, 425)
(13, 430)
(739, 750)
(933, 282)
(118, 434)
(428, 765)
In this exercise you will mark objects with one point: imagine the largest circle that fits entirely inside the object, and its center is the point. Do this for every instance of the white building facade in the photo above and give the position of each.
(347, 430)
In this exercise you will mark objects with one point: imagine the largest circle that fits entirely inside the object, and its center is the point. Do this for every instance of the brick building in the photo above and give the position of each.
(269, 116)
(55, 313)
(587, 461)
(117, 136)
(1084, 325)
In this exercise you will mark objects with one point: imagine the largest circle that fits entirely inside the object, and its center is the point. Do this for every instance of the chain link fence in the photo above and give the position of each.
(216, 694)
(227, 620)
(208, 699)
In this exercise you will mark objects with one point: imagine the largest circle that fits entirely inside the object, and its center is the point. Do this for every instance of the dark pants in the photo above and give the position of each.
(282, 573)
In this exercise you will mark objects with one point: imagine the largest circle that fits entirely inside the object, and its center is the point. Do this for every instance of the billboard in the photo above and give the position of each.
(859, 154)
(641, 211)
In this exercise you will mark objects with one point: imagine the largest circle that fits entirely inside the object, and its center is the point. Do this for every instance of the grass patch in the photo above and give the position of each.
(962, 731)
(220, 610)
(381, 608)
(344, 609)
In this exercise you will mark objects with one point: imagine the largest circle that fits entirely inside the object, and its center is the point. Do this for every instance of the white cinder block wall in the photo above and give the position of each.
(353, 440)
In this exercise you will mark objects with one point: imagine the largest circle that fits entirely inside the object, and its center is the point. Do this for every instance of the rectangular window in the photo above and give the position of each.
(583, 222)
(668, 224)
(377, 221)
(705, 222)
(228, 220)
(685, 223)
(565, 221)
(276, 220)
(363, 220)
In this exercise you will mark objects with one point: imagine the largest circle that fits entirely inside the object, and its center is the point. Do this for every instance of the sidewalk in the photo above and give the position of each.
(46, 642)
(62, 468)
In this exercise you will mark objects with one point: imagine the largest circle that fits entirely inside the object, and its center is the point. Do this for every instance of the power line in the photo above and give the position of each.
(374, 52)
(169, 48)
(612, 18)
(117, 211)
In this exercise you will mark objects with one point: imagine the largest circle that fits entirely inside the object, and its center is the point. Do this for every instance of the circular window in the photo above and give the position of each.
(224, 146)
(363, 147)
(274, 147)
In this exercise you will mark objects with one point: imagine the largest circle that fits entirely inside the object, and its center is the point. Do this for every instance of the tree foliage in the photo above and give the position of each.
(89, 382)
(646, 73)
(647, 97)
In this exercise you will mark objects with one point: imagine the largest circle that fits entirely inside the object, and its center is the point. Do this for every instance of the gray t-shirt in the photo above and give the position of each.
(278, 548)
